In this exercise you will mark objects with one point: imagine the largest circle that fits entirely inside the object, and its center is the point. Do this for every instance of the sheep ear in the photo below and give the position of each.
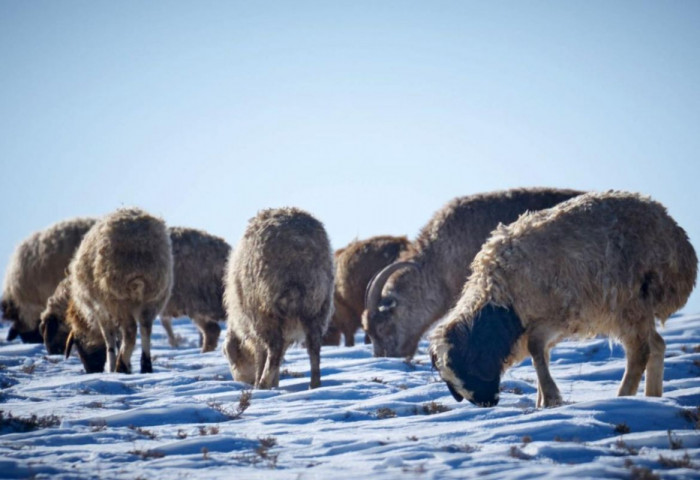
(69, 344)
(12, 334)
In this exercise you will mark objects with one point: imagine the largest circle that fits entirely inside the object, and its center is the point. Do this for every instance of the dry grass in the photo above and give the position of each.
(10, 423)
(143, 432)
(385, 412)
(147, 454)
(243, 404)
(621, 428)
(683, 462)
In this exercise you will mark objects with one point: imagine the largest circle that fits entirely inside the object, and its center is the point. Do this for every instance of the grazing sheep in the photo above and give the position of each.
(407, 297)
(602, 263)
(120, 276)
(199, 261)
(36, 267)
(355, 265)
(278, 290)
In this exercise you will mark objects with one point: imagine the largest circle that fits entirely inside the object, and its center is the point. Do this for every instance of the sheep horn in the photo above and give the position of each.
(374, 288)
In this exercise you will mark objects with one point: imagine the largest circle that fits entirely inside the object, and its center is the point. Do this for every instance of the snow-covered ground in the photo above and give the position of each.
(372, 418)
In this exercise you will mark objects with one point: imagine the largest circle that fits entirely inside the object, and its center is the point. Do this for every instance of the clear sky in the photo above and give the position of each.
(370, 115)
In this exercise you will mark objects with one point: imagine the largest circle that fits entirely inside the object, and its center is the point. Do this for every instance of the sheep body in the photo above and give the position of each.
(602, 263)
(408, 296)
(199, 263)
(355, 265)
(36, 267)
(120, 277)
(278, 290)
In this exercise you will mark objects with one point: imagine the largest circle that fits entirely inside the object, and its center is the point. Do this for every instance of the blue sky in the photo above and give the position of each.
(371, 115)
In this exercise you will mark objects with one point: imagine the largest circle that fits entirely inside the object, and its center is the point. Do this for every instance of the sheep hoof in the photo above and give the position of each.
(550, 402)
(146, 365)
(122, 367)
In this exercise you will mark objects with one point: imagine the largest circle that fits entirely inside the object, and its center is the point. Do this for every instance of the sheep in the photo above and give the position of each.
(199, 261)
(199, 264)
(35, 269)
(602, 263)
(278, 289)
(355, 265)
(121, 276)
(404, 299)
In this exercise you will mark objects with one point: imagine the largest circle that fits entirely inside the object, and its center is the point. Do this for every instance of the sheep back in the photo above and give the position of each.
(608, 256)
(125, 260)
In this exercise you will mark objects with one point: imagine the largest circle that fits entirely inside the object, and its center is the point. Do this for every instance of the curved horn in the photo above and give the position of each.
(374, 288)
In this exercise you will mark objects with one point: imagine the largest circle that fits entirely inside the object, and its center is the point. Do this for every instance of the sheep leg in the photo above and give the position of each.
(270, 372)
(110, 336)
(637, 349)
(209, 331)
(128, 330)
(167, 323)
(332, 336)
(654, 385)
(313, 346)
(146, 328)
(231, 347)
(349, 334)
(547, 392)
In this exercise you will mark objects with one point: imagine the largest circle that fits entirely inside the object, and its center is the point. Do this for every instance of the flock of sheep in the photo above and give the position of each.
(512, 272)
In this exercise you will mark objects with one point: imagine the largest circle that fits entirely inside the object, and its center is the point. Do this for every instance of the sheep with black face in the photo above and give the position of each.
(602, 263)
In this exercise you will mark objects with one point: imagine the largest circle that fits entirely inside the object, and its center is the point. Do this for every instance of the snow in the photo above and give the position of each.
(373, 417)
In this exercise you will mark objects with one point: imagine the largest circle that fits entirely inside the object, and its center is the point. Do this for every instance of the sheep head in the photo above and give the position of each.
(394, 310)
(89, 344)
(55, 332)
(471, 355)
(11, 312)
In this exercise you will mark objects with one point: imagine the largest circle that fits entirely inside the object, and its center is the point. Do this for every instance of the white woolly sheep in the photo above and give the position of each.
(36, 267)
(120, 277)
(407, 297)
(278, 290)
(602, 263)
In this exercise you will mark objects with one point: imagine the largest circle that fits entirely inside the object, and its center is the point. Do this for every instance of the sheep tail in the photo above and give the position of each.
(289, 303)
(135, 288)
